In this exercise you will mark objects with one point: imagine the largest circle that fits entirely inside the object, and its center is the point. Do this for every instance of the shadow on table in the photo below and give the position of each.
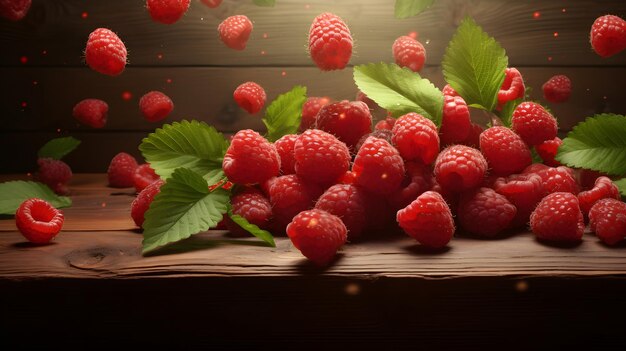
(196, 243)
(306, 266)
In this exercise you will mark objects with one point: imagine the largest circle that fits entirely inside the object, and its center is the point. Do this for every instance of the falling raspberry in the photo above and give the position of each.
(155, 106)
(105, 52)
(330, 42)
(167, 11)
(14, 10)
(234, 31)
(557, 89)
(91, 112)
(608, 35)
(409, 52)
(250, 96)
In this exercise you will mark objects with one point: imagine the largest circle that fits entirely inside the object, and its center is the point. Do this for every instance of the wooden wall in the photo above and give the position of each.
(189, 63)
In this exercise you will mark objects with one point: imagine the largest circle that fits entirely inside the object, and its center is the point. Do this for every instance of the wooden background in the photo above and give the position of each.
(188, 62)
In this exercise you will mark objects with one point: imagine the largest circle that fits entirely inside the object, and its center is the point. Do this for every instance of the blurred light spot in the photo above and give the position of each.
(58, 130)
(35, 82)
(353, 289)
(549, 58)
(536, 14)
(265, 35)
(168, 81)
(384, 176)
(29, 174)
(307, 6)
(104, 204)
(262, 52)
(427, 41)
(160, 56)
(563, 10)
(283, 73)
(312, 223)
(604, 97)
(84, 15)
(44, 52)
(127, 95)
(521, 286)
(24, 60)
(413, 35)
(556, 34)
(24, 104)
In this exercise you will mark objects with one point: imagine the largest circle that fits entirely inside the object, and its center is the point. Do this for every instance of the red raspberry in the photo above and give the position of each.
(416, 138)
(144, 175)
(253, 206)
(250, 96)
(310, 109)
(448, 90)
(418, 180)
(428, 220)
(346, 120)
(55, 174)
(285, 148)
(105, 52)
(385, 124)
(459, 168)
(548, 150)
(607, 219)
(524, 191)
(504, 150)
(318, 235)
(485, 213)
(558, 218)
(121, 171)
(290, 195)
(92, 112)
(347, 178)
(330, 42)
(384, 134)
(533, 123)
(320, 157)
(371, 104)
(512, 87)
(603, 189)
(557, 89)
(456, 123)
(473, 138)
(378, 166)
(348, 202)
(155, 106)
(608, 35)
(250, 158)
(409, 52)
(560, 179)
(167, 11)
(235, 31)
(14, 10)
(38, 221)
(142, 202)
(212, 3)
(536, 168)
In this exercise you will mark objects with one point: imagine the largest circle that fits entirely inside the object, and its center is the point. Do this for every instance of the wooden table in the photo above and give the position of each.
(214, 290)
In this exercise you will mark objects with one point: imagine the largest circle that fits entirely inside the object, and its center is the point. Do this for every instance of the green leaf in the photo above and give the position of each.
(399, 90)
(410, 8)
(252, 229)
(621, 184)
(13, 193)
(283, 115)
(265, 3)
(193, 145)
(507, 111)
(474, 65)
(183, 207)
(59, 147)
(598, 143)
(535, 156)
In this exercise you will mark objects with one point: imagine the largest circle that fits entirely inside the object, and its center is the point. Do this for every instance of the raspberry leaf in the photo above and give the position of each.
(13, 193)
(283, 115)
(410, 8)
(506, 114)
(598, 143)
(58, 148)
(182, 208)
(252, 229)
(399, 90)
(621, 184)
(193, 145)
(265, 3)
(474, 65)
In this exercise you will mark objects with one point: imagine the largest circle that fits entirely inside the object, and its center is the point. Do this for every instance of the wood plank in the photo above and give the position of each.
(57, 27)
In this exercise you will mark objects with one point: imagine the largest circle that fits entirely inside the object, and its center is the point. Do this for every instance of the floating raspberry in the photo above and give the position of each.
(285, 148)
(607, 218)
(524, 191)
(250, 96)
(533, 123)
(318, 235)
(253, 206)
(603, 189)
(608, 35)
(311, 107)
(409, 53)
(212, 3)
(512, 87)
(320, 157)
(346, 120)
(290, 195)
(485, 213)
(235, 31)
(250, 158)
(371, 104)
(416, 138)
(167, 11)
(38, 221)
(155, 106)
(428, 220)
(504, 150)
(349, 203)
(144, 176)
(459, 168)
(558, 218)
(330, 42)
(14, 10)
(105, 52)
(456, 123)
(142, 202)
(559, 179)
(548, 150)
(378, 166)
(418, 180)
(385, 124)
(557, 89)
(92, 112)
(55, 174)
(121, 171)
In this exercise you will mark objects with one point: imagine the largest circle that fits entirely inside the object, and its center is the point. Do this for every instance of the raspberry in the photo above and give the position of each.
(253, 206)
(428, 220)
(317, 234)
(558, 218)
(473, 138)
(347, 178)
(290, 195)
(608, 35)
(371, 104)
(167, 11)
(459, 168)
(384, 134)
(309, 111)
(603, 189)
(607, 219)
(485, 212)
(121, 171)
(250, 96)
(55, 174)
(155, 106)
(92, 112)
(512, 87)
(456, 123)
(448, 90)
(285, 148)
(533, 123)
(504, 150)
(14, 10)
(548, 150)
(320, 157)
(409, 52)
(38, 220)
(235, 31)
(378, 166)
(559, 179)
(385, 124)
(346, 120)
(105, 52)
(142, 202)
(524, 191)
(418, 180)
(416, 138)
(330, 42)
(557, 89)
(348, 202)
(144, 175)
(250, 158)
(212, 3)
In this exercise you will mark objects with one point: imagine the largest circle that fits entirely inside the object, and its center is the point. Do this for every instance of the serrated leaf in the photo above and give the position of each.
(253, 229)
(58, 148)
(193, 145)
(474, 65)
(598, 143)
(265, 3)
(621, 184)
(182, 208)
(399, 90)
(410, 8)
(13, 193)
(284, 114)
(506, 114)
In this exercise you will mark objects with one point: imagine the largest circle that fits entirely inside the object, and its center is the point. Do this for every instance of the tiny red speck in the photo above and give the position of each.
(556, 34)
(413, 35)
(127, 95)
(536, 14)
(23, 59)
(24, 104)
(168, 80)
(283, 73)
(84, 15)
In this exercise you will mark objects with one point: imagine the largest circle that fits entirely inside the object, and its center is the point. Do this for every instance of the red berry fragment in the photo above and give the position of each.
(105, 52)
(459, 168)
(524, 191)
(38, 220)
(557, 89)
(167, 11)
(347, 120)
(385, 124)
(121, 171)
(318, 235)
(378, 166)
(456, 123)
(320, 157)
(250, 96)
(142, 202)
(607, 218)
(330, 42)
(505, 151)
(416, 138)
(512, 87)
(285, 148)
(144, 176)
(250, 158)
(212, 3)
(533, 123)
(409, 52)
(14, 10)
(349, 203)
(310, 109)
(92, 112)
(558, 218)
(235, 31)
(55, 174)
(548, 150)
(603, 189)
(608, 35)
(484, 212)
(155, 106)
(428, 220)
